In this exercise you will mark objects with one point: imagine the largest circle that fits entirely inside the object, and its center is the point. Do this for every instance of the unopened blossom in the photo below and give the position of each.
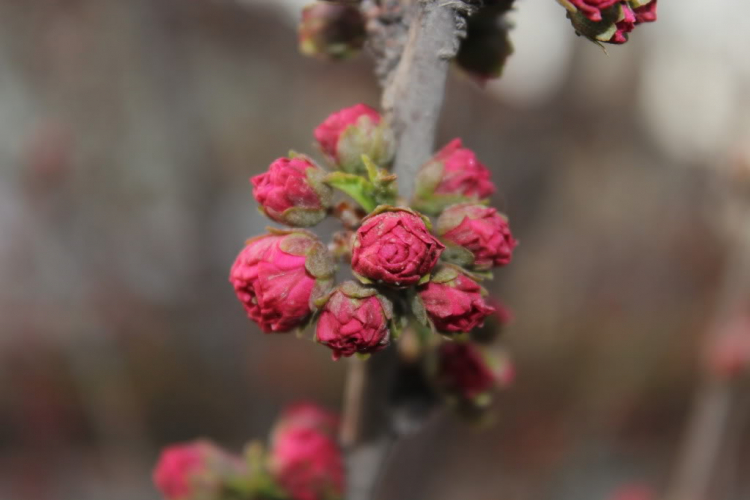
(453, 175)
(307, 463)
(194, 471)
(494, 324)
(464, 371)
(348, 134)
(277, 274)
(308, 415)
(292, 192)
(353, 320)
(592, 9)
(454, 302)
(479, 229)
(394, 247)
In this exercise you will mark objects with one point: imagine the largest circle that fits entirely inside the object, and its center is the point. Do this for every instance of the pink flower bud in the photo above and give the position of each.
(351, 132)
(453, 175)
(479, 229)
(592, 9)
(308, 415)
(634, 491)
(307, 463)
(354, 320)
(331, 30)
(644, 13)
(394, 247)
(607, 21)
(728, 351)
(454, 302)
(625, 24)
(278, 275)
(194, 471)
(292, 192)
(463, 371)
(494, 324)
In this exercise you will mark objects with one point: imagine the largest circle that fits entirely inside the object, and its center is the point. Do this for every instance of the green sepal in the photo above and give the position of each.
(458, 255)
(358, 188)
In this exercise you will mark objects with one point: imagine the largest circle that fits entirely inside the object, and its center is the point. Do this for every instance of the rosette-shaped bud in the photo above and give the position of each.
(278, 276)
(331, 30)
(453, 175)
(393, 246)
(352, 132)
(354, 319)
(194, 471)
(608, 21)
(306, 461)
(292, 192)
(464, 371)
(453, 302)
(480, 230)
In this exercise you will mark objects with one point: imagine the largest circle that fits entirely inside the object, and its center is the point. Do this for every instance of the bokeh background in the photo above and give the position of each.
(128, 132)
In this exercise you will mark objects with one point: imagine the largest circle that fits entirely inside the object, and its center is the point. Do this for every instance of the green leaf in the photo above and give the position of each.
(372, 169)
(360, 189)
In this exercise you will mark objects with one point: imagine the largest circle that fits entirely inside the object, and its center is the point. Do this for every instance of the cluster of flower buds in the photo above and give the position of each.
(303, 463)
(609, 21)
(406, 276)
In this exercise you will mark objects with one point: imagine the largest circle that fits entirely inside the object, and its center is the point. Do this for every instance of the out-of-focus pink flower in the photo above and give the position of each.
(394, 247)
(307, 463)
(592, 9)
(454, 302)
(463, 370)
(634, 491)
(274, 279)
(351, 132)
(354, 320)
(479, 229)
(194, 471)
(453, 175)
(292, 192)
(728, 351)
(309, 415)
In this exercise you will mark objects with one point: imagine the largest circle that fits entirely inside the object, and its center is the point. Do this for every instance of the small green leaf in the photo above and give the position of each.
(358, 188)
(372, 169)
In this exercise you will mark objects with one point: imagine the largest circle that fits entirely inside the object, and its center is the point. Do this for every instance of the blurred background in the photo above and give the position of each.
(128, 132)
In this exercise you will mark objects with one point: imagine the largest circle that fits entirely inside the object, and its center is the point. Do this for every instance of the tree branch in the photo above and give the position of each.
(413, 41)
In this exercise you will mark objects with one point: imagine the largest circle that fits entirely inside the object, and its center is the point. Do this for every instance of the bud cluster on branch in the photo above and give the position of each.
(406, 278)
(303, 462)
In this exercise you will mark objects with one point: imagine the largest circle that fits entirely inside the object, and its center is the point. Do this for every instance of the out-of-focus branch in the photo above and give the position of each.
(709, 423)
(412, 41)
